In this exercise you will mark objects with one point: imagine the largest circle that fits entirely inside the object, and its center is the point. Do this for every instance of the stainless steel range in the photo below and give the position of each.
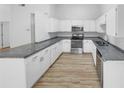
(77, 39)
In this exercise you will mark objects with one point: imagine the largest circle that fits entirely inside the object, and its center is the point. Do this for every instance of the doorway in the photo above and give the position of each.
(4, 35)
(32, 28)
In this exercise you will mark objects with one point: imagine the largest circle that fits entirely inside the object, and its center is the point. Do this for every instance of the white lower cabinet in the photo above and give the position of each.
(60, 47)
(55, 51)
(32, 69)
(89, 47)
(113, 74)
(94, 53)
(66, 45)
(36, 65)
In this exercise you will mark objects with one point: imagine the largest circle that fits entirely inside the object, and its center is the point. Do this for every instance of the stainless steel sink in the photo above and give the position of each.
(102, 43)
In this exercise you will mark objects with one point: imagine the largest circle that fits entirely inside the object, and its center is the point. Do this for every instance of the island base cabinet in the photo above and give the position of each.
(36, 66)
(113, 74)
(12, 73)
(24, 72)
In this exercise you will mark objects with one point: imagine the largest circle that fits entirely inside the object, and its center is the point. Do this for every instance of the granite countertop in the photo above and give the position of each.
(28, 49)
(109, 52)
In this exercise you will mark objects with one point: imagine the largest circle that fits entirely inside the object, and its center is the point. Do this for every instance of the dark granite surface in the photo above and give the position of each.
(109, 52)
(27, 50)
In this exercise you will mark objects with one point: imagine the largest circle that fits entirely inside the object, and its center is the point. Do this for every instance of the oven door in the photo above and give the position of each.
(76, 43)
(77, 46)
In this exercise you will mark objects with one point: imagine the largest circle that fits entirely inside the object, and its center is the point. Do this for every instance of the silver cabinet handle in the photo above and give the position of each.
(34, 58)
(41, 59)
(46, 51)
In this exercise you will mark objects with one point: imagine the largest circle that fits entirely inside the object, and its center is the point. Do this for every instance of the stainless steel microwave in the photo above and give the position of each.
(77, 28)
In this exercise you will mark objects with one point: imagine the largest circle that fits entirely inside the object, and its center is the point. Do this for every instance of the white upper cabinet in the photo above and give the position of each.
(101, 24)
(111, 22)
(41, 26)
(76, 22)
(66, 25)
(115, 21)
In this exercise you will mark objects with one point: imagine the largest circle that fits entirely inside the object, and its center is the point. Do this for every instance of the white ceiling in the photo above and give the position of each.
(77, 11)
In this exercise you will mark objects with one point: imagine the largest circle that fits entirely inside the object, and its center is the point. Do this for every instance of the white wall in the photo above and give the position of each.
(20, 24)
(117, 41)
(77, 11)
(4, 15)
(5, 12)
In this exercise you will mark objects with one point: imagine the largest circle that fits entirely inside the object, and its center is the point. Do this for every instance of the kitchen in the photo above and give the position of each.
(46, 38)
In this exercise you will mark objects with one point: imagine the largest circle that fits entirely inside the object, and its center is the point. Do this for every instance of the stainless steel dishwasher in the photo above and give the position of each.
(99, 67)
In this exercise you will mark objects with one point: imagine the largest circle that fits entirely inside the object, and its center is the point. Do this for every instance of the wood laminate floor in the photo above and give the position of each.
(4, 49)
(70, 71)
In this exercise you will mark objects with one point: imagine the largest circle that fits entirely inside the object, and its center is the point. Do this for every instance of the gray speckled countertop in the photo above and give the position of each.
(109, 52)
(28, 49)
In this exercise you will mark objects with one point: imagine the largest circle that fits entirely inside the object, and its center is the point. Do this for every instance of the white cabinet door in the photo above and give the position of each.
(87, 46)
(59, 48)
(100, 24)
(60, 43)
(42, 26)
(111, 22)
(44, 57)
(66, 45)
(53, 54)
(36, 65)
(32, 69)
(113, 74)
(93, 49)
(55, 51)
